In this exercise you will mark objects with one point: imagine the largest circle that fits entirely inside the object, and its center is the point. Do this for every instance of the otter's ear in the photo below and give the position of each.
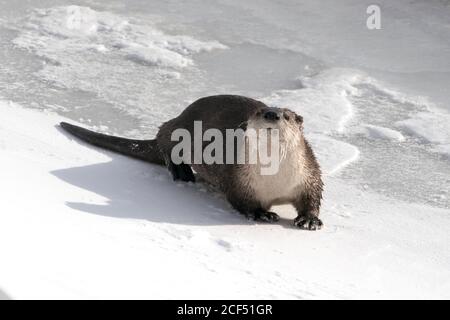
(299, 120)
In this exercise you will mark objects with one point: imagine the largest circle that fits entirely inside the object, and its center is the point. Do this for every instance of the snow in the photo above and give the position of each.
(332, 154)
(99, 225)
(377, 132)
(431, 127)
(3, 296)
(78, 27)
(80, 222)
(443, 149)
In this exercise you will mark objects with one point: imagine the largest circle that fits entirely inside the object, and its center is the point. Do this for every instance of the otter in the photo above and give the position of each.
(298, 179)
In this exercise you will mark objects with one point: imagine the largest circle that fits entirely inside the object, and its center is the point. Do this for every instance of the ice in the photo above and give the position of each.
(74, 28)
(78, 45)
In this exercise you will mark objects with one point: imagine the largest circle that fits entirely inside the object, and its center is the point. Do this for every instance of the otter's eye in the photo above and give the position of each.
(286, 116)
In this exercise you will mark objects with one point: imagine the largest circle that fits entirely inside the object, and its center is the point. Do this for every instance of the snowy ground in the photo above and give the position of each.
(78, 222)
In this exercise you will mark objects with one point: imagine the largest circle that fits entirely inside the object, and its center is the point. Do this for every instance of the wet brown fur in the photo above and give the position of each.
(226, 112)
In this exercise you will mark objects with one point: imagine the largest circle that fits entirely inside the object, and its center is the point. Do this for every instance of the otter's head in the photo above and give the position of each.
(289, 124)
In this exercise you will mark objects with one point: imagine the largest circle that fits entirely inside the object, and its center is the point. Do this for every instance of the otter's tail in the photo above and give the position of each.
(146, 150)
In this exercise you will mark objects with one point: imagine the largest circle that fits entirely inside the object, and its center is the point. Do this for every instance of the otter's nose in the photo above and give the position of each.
(271, 115)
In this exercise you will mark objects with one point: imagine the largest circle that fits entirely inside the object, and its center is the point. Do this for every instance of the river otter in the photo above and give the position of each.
(297, 181)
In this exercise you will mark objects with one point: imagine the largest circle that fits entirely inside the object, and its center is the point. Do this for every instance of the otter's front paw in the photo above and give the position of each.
(308, 222)
(265, 216)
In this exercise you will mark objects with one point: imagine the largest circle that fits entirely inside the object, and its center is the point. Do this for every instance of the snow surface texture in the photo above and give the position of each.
(438, 133)
(93, 224)
(376, 132)
(74, 29)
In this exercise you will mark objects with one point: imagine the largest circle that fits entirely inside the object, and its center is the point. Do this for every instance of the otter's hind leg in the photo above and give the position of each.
(266, 216)
(181, 172)
(252, 209)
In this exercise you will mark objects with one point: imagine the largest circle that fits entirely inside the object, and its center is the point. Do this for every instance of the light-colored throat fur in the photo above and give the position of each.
(288, 181)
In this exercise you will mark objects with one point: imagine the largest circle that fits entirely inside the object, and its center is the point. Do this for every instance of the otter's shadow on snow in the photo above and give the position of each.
(142, 191)
(137, 190)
